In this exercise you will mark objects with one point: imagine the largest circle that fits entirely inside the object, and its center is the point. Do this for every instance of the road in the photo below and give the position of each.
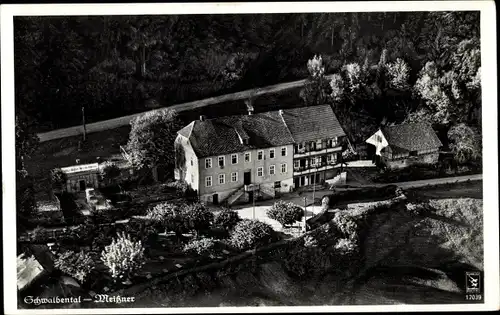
(260, 210)
(125, 120)
(437, 181)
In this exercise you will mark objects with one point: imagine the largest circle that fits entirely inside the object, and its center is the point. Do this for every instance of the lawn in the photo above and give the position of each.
(421, 258)
(64, 152)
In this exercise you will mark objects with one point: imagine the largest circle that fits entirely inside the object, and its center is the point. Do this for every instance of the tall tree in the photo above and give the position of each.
(151, 140)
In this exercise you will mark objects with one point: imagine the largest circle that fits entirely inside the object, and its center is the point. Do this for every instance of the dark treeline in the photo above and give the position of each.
(115, 65)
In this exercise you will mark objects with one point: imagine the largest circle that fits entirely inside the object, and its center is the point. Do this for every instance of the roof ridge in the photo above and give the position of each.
(281, 113)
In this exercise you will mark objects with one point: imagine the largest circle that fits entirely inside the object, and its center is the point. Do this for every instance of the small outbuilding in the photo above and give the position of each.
(406, 144)
(81, 177)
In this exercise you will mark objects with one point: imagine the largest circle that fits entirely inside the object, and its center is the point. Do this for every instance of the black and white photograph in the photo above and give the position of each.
(194, 157)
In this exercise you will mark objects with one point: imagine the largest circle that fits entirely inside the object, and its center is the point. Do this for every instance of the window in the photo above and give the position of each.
(234, 177)
(222, 179)
(272, 169)
(234, 158)
(208, 181)
(248, 157)
(208, 163)
(260, 155)
(271, 153)
(283, 168)
(283, 151)
(192, 161)
(332, 142)
(260, 171)
(296, 164)
(312, 146)
(318, 144)
(222, 161)
(192, 178)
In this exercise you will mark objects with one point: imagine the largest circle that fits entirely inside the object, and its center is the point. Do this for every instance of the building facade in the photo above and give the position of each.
(257, 156)
(236, 159)
(81, 177)
(319, 141)
(406, 144)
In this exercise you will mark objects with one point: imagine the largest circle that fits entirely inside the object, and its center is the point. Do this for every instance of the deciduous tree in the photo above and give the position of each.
(151, 140)
(285, 213)
(465, 142)
(251, 233)
(123, 257)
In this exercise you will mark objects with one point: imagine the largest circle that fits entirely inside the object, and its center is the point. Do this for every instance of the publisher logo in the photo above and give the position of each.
(472, 282)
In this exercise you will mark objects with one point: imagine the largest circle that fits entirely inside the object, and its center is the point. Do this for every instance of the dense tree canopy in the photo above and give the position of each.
(113, 65)
(151, 140)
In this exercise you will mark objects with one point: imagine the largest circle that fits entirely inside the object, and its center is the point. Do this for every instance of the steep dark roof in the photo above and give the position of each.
(411, 137)
(221, 135)
(312, 123)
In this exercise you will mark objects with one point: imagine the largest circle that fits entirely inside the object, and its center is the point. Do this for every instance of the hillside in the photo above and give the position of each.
(406, 258)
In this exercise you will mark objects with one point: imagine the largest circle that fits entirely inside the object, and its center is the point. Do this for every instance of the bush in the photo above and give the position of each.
(57, 178)
(196, 217)
(306, 262)
(109, 171)
(227, 219)
(202, 247)
(285, 213)
(123, 257)
(346, 246)
(77, 265)
(167, 216)
(418, 208)
(346, 225)
(182, 189)
(251, 233)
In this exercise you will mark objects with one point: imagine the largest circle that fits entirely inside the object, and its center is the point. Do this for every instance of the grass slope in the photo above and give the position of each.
(408, 259)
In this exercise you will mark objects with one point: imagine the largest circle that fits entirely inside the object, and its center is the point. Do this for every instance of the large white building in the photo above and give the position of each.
(238, 158)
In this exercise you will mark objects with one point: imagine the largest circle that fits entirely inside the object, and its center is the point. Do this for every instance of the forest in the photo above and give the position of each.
(395, 66)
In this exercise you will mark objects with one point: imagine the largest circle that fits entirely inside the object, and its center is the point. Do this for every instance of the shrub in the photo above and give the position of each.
(305, 262)
(346, 225)
(167, 216)
(123, 257)
(227, 219)
(78, 265)
(109, 171)
(196, 217)
(346, 246)
(251, 233)
(310, 241)
(285, 213)
(182, 189)
(417, 208)
(202, 247)
(57, 178)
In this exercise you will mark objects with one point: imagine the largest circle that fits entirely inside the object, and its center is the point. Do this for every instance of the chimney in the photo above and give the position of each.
(202, 117)
(249, 104)
(281, 112)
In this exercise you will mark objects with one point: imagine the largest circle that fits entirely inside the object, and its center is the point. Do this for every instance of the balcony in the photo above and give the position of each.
(314, 168)
(312, 152)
